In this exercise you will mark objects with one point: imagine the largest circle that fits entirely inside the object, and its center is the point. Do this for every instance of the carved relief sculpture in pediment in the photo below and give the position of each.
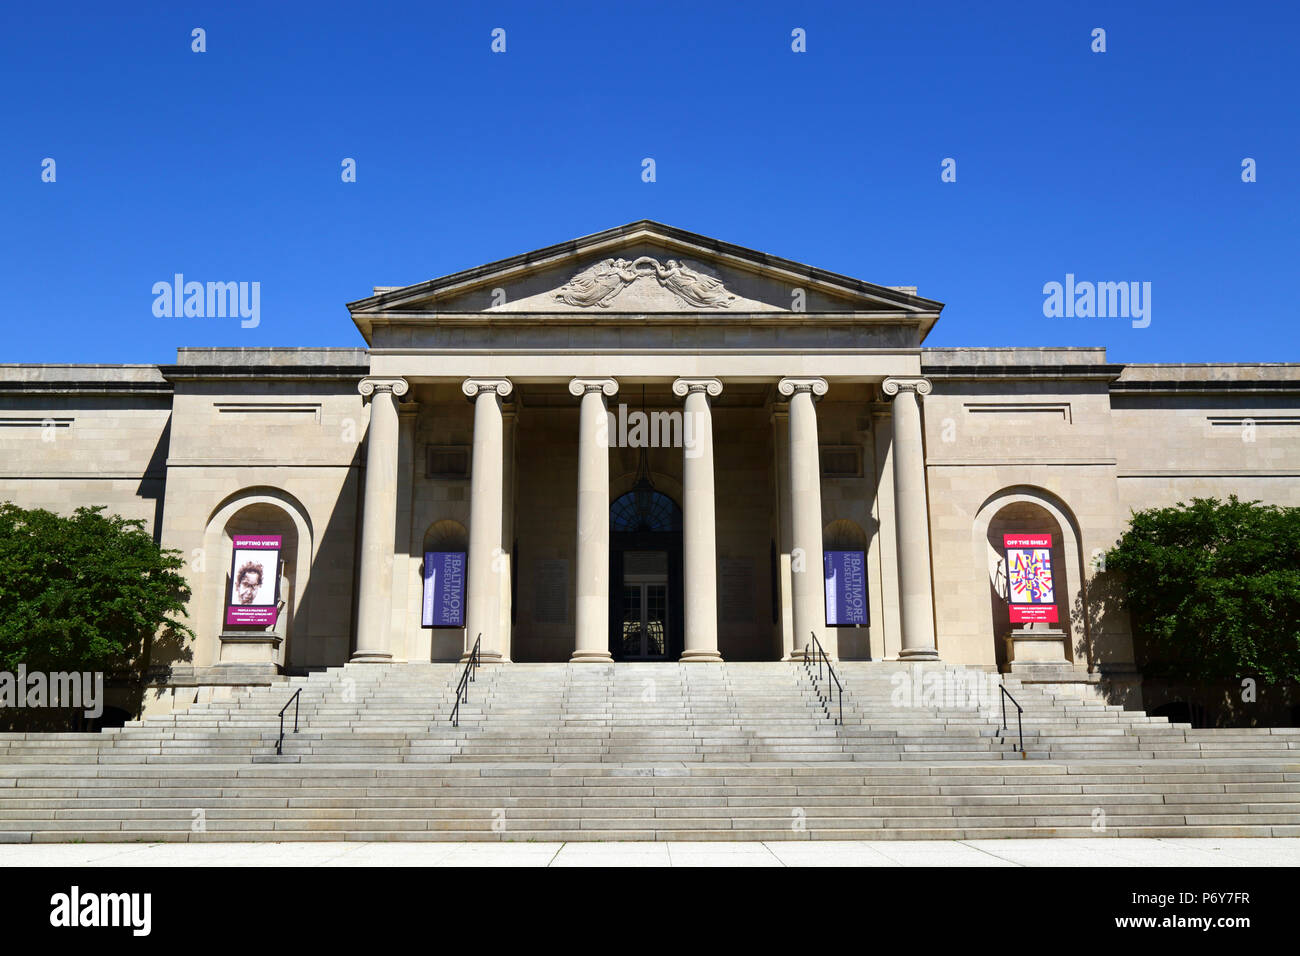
(600, 284)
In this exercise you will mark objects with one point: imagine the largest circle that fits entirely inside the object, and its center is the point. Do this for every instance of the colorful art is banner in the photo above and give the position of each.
(846, 588)
(444, 589)
(254, 580)
(1031, 595)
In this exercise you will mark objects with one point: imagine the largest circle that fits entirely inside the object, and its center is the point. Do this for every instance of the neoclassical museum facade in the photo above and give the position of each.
(642, 445)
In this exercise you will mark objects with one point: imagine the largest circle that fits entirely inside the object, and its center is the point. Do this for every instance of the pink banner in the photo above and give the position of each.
(1031, 595)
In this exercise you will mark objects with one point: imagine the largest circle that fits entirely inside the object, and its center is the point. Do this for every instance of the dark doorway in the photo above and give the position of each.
(645, 577)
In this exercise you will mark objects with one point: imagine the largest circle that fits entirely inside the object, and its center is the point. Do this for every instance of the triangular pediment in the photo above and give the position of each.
(644, 268)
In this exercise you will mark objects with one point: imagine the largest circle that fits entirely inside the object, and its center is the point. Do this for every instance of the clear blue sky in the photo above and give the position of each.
(225, 165)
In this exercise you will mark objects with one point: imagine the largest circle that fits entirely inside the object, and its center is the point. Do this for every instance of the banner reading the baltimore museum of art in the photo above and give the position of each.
(1031, 595)
(444, 589)
(846, 588)
(254, 580)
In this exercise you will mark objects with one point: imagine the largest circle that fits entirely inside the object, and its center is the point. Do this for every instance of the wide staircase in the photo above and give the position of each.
(647, 752)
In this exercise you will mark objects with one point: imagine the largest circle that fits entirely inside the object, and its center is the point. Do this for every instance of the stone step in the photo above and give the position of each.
(578, 752)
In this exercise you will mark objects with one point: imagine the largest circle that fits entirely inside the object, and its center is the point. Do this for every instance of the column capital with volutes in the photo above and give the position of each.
(473, 387)
(793, 384)
(579, 387)
(369, 385)
(686, 385)
(893, 385)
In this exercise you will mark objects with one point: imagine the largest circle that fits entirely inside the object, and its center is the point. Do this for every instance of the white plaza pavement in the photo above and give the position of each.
(1108, 852)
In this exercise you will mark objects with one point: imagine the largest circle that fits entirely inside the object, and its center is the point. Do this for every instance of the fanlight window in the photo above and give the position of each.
(645, 511)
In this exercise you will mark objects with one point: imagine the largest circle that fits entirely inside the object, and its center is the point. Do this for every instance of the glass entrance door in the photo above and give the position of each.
(645, 621)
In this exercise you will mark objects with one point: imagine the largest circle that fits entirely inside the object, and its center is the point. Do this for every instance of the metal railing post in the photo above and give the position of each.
(279, 744)
(1020, 725)
(466, 676)
(814, 651)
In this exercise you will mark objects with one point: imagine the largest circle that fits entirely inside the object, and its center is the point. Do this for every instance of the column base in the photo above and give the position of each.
(370, 657)
(700, 657)
(591, 657)
(918, 654)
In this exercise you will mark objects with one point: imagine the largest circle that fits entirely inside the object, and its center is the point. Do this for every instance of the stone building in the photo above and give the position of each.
(643, 441)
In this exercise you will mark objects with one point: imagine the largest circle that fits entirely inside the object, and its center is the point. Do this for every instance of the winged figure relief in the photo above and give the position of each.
(693, 288)
(598, 285)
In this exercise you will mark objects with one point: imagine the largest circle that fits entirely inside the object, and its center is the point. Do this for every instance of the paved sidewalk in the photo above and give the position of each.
(1106, 852)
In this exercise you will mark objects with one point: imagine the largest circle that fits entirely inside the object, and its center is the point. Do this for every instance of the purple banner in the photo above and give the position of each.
(254, 580)
(846, 588)
(444, 589)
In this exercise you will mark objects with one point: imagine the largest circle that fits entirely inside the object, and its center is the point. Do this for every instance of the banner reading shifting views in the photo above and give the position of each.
(254, 580)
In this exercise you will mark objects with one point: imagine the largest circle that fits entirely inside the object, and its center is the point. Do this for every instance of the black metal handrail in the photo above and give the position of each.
(466, 676)
(1020, 728)
(815, 650)
(279, 744)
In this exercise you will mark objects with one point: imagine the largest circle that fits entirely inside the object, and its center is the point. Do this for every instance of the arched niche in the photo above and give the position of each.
(258, 510)
(1029, 509)
(445, 534)
(843, 534)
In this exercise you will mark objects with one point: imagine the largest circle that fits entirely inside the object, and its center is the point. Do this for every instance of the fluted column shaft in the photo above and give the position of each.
(486, 557)
(591, 630)
(806, 570)
(378, 520)
(699, 525)
(915, 592)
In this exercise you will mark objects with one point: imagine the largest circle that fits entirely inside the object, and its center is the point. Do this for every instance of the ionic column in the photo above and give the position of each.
(378, 520)
(915, 594)
(807, 574)
(405, 570)
(591, 631)
(699, 527)
(781, 473)
(505, 602)
(486, 557)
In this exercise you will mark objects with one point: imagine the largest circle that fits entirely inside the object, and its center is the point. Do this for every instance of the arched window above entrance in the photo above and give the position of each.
(446, 535)
(844, 535)
(645, 511)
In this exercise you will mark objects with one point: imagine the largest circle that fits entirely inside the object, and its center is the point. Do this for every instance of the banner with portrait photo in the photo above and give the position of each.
(254, 580)
(1031, 593)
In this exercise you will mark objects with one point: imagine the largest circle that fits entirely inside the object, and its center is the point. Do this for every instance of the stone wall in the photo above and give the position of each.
(278, 431)
(73, 435)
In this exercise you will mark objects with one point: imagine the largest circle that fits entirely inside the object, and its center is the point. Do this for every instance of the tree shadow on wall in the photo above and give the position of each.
(1100, 622)
(160, 654)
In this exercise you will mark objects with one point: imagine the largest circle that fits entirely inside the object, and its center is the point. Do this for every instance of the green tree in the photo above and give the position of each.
(85, 592)
(1213, 588)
